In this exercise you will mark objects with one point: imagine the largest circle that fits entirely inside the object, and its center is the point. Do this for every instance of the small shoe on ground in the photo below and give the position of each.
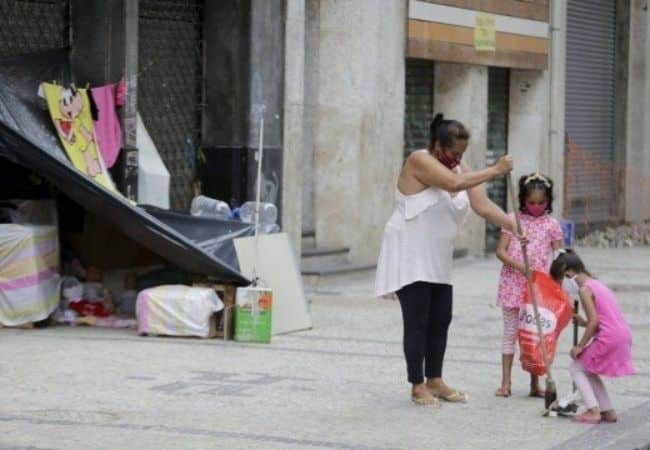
(609, 416)
(587, 418)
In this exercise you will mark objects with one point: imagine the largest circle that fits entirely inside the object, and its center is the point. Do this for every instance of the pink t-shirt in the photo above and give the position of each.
(609, 352)
(541, 232)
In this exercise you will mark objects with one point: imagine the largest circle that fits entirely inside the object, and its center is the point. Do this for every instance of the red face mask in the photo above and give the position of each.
(448, 161)
(536, 210)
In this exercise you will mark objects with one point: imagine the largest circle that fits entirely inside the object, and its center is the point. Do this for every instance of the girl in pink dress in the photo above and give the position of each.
(605, 347)
(544, 235)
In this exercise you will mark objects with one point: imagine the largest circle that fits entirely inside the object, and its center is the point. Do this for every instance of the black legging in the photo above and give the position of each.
(426, 311)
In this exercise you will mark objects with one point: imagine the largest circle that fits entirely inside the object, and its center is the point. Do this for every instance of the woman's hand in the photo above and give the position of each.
(579, 320)
(511, 226)
(575, 351)
(504, 165)
(522, 238)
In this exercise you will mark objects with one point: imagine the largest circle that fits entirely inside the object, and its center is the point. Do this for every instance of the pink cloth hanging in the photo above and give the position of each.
(120, 97)
(107, 127)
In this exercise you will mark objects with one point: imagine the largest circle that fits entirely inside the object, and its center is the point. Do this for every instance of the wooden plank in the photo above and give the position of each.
(530, 9)
(457, 53)
(454, 34)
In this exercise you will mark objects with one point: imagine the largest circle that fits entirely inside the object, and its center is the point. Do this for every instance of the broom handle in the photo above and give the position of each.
(576, 307)
(529, 279)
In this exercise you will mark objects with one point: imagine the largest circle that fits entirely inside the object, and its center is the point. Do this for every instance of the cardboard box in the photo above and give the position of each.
(224, 318)
(253, 314)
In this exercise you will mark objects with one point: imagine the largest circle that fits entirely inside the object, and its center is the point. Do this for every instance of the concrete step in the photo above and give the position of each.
(308, 240)
(324, 270)
(324, 256)
(322, 267)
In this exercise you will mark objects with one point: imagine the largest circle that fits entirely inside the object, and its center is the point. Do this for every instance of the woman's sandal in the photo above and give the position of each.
(420, 401)
(503, 392)
(587, 418)
(454, 396)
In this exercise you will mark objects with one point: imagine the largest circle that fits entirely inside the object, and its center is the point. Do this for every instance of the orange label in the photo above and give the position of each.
(265, 301)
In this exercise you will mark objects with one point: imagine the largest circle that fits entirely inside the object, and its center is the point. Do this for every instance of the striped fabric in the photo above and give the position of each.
(29, 273)
(510, 327)
(176, 310)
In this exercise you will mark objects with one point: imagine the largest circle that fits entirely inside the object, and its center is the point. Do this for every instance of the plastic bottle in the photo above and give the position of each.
(268, 213)
(270, 229)
(209, 207)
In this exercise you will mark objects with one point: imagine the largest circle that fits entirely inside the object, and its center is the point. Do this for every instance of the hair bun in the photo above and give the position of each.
(435, 125)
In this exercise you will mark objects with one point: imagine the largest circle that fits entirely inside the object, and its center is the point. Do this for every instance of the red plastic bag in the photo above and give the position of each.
(555, 312)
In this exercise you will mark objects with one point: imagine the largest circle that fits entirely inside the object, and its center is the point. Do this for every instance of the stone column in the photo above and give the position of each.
(310, 118)
(461, 93)
(382, 125)
(336, 154)
(637, 158)
(644, 206)
(528, 123)
(294, 89)
(557, 76)
(359, 141)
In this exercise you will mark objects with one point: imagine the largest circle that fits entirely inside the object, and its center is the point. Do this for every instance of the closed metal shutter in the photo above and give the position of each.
(28, 26)
(419, 104)
(590, 104)
(497, 142)
(170, 86)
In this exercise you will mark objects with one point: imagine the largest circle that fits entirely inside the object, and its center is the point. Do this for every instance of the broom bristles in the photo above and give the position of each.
(551, 393)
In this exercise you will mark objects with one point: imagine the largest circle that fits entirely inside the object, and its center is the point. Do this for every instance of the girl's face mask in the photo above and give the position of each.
(536, 209)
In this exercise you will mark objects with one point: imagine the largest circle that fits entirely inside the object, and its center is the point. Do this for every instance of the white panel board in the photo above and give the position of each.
(277, 269)
(153, 176)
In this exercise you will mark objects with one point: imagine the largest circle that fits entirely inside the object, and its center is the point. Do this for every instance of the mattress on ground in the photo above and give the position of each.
(29, 273)
(177, 311)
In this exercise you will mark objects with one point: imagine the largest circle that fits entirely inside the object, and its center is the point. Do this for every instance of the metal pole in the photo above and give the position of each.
(260, 155)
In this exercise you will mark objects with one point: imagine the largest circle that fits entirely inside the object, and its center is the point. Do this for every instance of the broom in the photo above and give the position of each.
(576, 307)
(551, 391)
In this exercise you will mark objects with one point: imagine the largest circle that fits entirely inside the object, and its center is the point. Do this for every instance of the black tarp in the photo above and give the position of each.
(213, 236)
(28, 138)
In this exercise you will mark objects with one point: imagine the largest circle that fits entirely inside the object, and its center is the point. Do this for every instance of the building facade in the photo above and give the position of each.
(562, 86)
(198, 72)
(347, 89)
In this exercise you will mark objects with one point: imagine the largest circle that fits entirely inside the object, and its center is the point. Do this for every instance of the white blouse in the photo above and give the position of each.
(418, 243)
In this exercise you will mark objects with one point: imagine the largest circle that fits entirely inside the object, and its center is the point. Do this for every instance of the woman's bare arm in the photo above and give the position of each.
(429, 171)
(486, 208)
(591, 327)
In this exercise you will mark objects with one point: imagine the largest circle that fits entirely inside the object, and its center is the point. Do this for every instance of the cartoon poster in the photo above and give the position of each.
(70, 111)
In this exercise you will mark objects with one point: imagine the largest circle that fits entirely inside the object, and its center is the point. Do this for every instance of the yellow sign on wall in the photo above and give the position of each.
(484, 33)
